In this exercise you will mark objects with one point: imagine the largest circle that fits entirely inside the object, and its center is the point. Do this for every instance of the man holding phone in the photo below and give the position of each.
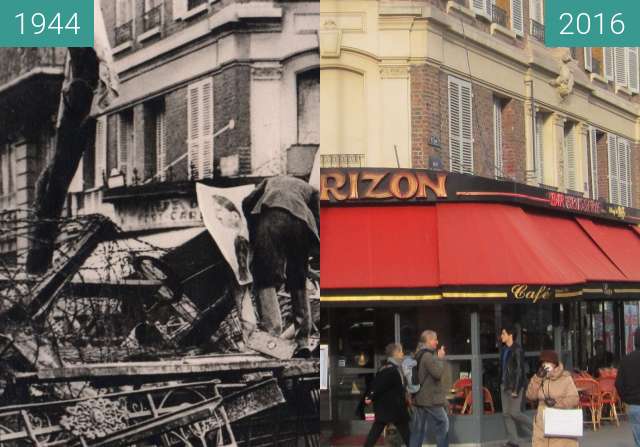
(431, 400)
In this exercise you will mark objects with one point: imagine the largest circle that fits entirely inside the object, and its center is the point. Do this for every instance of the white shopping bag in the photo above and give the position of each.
(562, 423)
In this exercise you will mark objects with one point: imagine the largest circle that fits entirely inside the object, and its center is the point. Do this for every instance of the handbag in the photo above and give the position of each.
(560, 423)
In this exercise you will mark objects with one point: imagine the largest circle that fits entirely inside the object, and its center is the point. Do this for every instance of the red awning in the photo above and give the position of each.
(470, 244)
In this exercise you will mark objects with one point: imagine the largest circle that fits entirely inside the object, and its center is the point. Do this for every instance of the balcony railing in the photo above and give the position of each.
(152, 18)
(537, 30)
(342, 160)
(124, 33)
(499, 16)
(195, 3)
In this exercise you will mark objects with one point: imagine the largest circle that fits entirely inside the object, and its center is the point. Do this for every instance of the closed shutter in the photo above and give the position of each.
(588, 59)
(593, 160)
(537, 13)
(620, 64)
(460, 126)
(123, 143)
(200, 117)
(570, 154)
(614, 179)
(517, 16)
(179, 9)
(539, 148)
(632, 69)
(624, 171)
(482, 7)
(161, 146)
(609, 72)
(497, 132)
(101, 152)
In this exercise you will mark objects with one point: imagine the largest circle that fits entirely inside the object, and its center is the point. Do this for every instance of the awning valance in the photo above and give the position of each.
(458, 249)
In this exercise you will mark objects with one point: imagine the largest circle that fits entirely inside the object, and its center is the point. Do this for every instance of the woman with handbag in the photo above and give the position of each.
(553, 388)
(389, 397)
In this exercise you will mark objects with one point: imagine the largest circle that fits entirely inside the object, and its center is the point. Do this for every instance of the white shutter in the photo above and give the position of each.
(609, 64)
(517, 17)
(479, 6)
(123, 143)
(632, 69)
(620, 64)
(460, 126)
(614, 179)
(207, 129)
(101, 152)
(539, 148)
(593, 160)
(497, 132)
(537, 13)
(179, 9)
(624, 171)
(570, 158)
(200, 117)
(588, 59)
(488, 7)
(193, 117)
(161, 146)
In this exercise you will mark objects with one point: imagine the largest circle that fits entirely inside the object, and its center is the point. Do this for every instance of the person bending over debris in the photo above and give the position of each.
(283, 215)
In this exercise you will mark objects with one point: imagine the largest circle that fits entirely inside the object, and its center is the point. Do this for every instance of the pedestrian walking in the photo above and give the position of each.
(551, 387)
(389, 397)
(512, 384)
(430, 401)
(628, 386)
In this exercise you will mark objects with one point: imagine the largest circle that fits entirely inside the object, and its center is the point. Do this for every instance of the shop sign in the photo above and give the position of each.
(379, 185)
(573, 203)
(531, 293)
(158, 214)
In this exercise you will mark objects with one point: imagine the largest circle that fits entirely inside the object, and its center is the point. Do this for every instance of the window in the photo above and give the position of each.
(593, 163)
(309, 107)
(536, 11)
(200, 123)
(588, 59)
(7, 169)
(608, 64)
(124, 140)
(570, 156)
(538, 149)
(460, 126)
(517, 16)
(497, 136)
(624, 70)
(483, 7)
(152, 14)
(619, 154)
(124, 21)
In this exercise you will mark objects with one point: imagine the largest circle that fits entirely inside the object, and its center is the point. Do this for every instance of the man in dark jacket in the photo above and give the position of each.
(431, 400)
(389, 397)
(628, 386)
(512, 385)
(283, 217)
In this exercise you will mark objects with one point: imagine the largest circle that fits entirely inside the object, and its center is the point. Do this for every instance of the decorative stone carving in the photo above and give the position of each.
(565, 81)
(330, 39)
(95, 418)
(266, 72)
(394, 72)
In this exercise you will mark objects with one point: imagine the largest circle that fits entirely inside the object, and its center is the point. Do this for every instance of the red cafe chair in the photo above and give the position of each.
(489, 408)
(609, 397)
(590, 399)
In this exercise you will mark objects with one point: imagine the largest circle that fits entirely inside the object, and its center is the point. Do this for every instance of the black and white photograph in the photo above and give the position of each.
(159, 229)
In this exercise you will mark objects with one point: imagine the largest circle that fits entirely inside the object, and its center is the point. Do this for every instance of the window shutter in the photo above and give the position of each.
(179, 9)
(123, 143)
(193, 116)
(517, 16)
(608, 63)
(460, 126)
(101, 152)
(588, 59)
(537, 12)
(620, 63)
(632, 67)
(593, 160)
(497, 132)
(624, 172)
(539, 148)
(479, 6)
(161, 147)
(614, 185)
(570, 154)
(200, 117)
